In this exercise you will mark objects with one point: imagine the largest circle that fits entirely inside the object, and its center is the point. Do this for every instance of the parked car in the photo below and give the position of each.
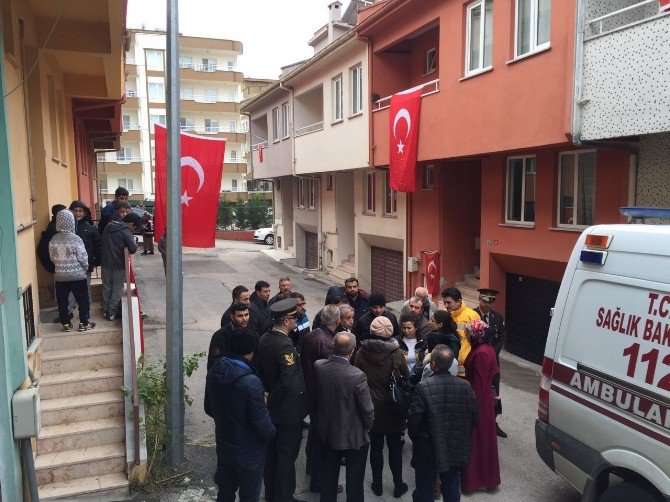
(140, 228)
(604, 404)
(266, 235)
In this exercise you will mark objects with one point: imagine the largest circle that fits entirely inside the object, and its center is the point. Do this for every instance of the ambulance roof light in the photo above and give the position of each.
(645, 212)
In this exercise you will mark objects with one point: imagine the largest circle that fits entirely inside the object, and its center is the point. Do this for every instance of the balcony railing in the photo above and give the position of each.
(130, 61)
(126, 160)
(200, 98)
(257, 146)
(608, 22)
(318, 126)
(200, 67)
(110, 191)
(429, 88)
(131, 127)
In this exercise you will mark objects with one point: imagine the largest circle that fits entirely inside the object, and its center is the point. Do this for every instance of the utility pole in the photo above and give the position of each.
(174, 333)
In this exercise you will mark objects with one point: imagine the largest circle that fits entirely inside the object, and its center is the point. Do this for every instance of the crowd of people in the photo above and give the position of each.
(72, 246)
(350, 372)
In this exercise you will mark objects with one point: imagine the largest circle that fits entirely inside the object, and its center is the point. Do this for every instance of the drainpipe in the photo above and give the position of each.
(292, 105)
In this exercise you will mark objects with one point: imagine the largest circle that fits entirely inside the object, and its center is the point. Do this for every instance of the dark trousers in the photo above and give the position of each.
(450, 485)
(280, 462)
(394, 443)
(80, 291)
(355, 460)
(496, 378)
(314, 460)
(248, 480)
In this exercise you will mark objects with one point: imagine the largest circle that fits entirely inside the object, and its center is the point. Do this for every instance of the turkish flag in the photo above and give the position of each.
(432, 261)
(664, 5)
(201, 169)
(260, 154)
(404, 116)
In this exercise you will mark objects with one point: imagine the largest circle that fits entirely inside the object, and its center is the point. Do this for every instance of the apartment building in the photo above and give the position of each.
(622, 100)
(503, 190)
(211, 90)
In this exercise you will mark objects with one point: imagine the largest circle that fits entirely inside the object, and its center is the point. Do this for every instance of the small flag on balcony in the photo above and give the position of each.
(664, 5)
(432, 261)
(260, 153)
(405, 112)
(201, 169)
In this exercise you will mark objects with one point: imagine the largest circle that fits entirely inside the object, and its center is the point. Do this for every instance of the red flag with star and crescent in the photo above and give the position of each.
(201, 169)
(404, 115)
(432, 261)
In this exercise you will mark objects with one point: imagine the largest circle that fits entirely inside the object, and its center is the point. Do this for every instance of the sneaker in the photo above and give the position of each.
(501, 433)
(377, 488)
(67, 327)
(86, 326)
(111, 317)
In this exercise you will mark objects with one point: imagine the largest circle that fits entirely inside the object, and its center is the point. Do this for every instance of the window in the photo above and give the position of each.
(370, 192)
(208, 64)
(284, 121)
(231, 96)
(232, 126)
(124, 154)
(577, 188)
(390, 197)
(278, 185)
(156, 91)
(186, 93)
(337, 99)
(312, 193)
(478, 52)
(126, 122)
(211, 126)
(230, 65)
(156, 119)
(429, 177)
(233, 156)
(356, 90)
(301, 192)
(126, 183)
(245, 126)
(431, 61)
(330, 182)
(155, 60)
(233, 185)
(53, 118)
(153, 153)
(275, 124)
(211, 95)
(187, 124)
(520, 190)
(102, 182)
(185, 61)
(533, 18)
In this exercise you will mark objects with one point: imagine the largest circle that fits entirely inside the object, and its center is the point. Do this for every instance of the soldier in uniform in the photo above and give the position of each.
(495, 321)
(280, 371)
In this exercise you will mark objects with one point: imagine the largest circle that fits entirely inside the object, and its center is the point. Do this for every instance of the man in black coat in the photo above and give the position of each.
(260, 318)
(498, 333)
(280, 371)
(89, 235)
(219, 345)
(441, 418)
(47, 234)
(240, 295)
(344, 419)
(234, 397)
(377, 307)
(356, 297)
(285, 289)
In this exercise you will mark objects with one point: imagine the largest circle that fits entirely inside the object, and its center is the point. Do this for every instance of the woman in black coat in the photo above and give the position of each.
(379, 357)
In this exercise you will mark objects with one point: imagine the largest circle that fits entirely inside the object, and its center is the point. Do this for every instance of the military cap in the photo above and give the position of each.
(488, 295)
(284, 308)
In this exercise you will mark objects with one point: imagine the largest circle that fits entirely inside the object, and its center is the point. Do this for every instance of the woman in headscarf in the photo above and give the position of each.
(483, 472)
(379, 357)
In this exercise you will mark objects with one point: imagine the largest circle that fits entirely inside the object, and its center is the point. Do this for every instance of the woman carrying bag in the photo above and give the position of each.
(379, 358)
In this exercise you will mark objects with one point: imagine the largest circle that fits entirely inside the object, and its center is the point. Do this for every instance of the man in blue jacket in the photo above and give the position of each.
(234, 397)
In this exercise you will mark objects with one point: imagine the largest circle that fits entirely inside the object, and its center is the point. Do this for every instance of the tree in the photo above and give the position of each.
(258, 214)
(225, 215)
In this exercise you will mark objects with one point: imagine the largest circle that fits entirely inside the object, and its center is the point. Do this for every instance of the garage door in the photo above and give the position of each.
(528, 303)
(387, 273)
(311, 250)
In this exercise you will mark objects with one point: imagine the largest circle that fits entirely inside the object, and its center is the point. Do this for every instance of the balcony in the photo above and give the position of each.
(209, 72)
(131, 68)
(625, 60)
(126, 166)
(206, 104)
(132, 99)
(131, 132)
(235, 167)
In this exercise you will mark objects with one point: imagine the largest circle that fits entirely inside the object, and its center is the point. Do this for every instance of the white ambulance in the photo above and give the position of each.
(604, 404)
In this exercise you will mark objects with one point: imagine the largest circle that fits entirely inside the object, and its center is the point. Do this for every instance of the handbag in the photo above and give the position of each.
(399, 393)
(497, 402)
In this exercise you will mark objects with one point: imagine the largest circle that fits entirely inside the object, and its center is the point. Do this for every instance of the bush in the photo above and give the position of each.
(241, 215)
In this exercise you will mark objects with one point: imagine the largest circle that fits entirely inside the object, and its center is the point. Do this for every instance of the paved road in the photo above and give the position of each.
(208, 280)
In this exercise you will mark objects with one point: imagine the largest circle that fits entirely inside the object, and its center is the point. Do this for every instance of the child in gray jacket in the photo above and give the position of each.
(67, 252)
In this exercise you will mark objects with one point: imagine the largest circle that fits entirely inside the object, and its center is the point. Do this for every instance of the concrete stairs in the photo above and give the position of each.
(469, 288)
(81, 447)
(346, 269)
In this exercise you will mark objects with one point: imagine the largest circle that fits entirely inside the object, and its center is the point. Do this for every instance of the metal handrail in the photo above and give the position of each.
(377, 105)
(256, 146)
(200, 67)
(605, 17)
(317, 126)
(133, 358)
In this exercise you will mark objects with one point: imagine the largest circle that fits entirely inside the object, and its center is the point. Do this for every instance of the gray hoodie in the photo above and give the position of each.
(115, 238)
(67, 250)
